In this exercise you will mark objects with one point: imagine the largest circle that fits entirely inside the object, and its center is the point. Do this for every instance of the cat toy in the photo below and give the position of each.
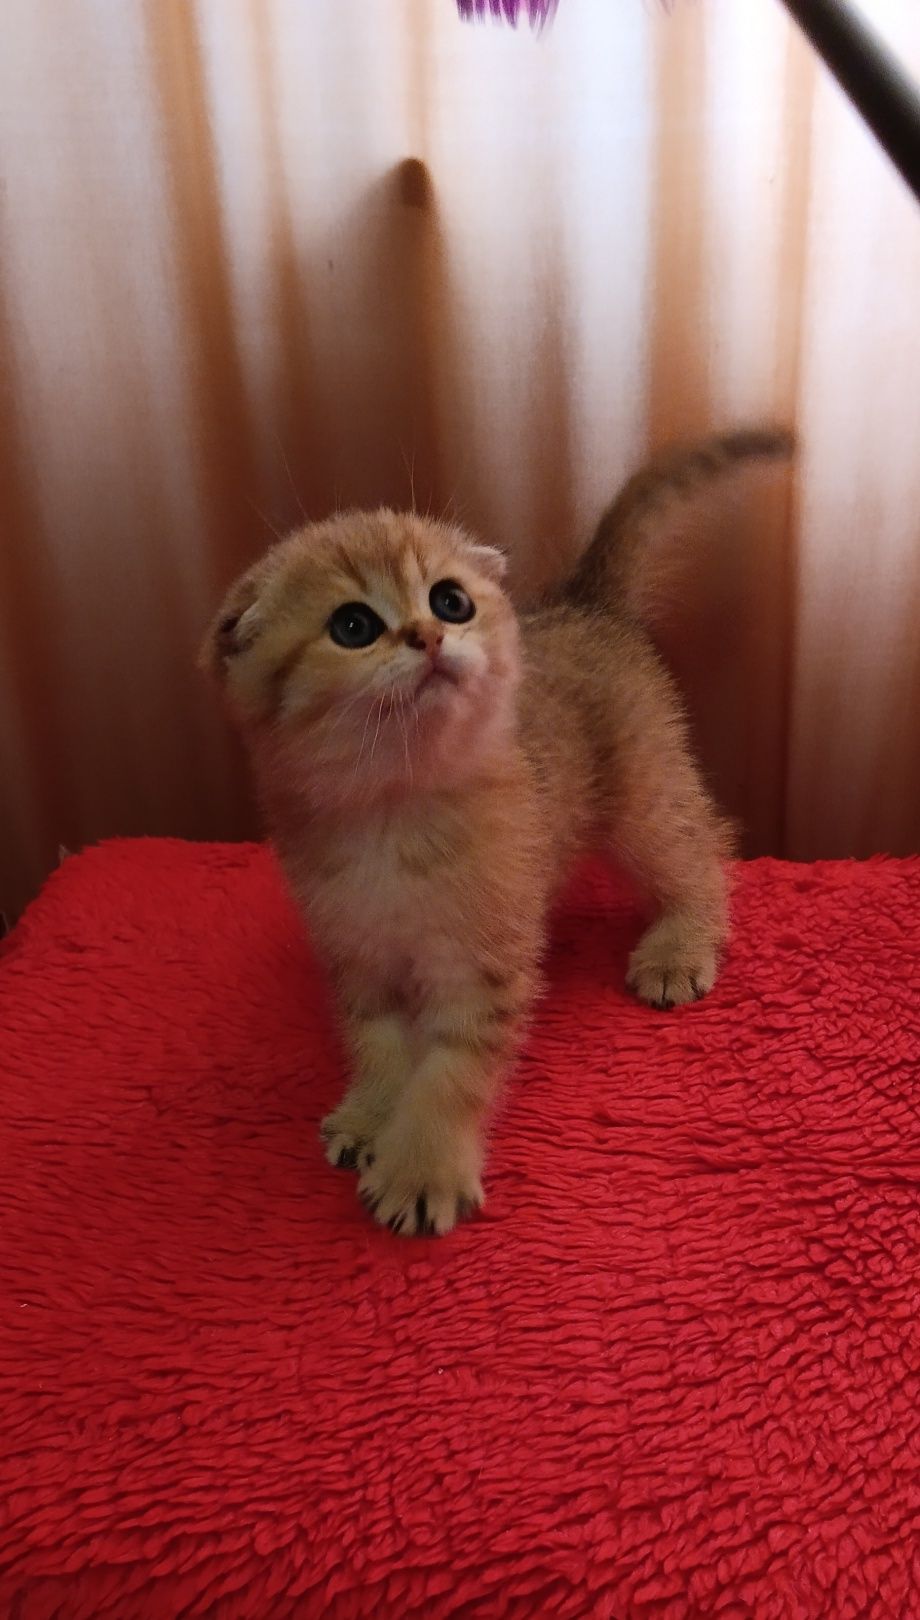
(866, 70)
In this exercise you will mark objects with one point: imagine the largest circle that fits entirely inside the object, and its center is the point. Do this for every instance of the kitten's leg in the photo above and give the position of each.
(377, 1039)
(669, 833)
(423, 1173)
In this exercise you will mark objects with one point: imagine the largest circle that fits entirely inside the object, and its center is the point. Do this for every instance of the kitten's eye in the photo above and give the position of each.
(449, 601)
(355, 625)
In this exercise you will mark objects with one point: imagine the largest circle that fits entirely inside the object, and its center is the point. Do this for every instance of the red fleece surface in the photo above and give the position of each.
(673, 1369)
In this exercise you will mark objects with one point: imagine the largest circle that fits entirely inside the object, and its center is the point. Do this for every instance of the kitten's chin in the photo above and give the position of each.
(437, 683)
(438, 735)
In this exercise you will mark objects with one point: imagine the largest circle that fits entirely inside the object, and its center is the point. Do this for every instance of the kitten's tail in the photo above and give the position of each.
(614, 570)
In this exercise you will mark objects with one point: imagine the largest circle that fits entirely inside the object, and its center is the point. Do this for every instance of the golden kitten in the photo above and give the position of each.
(429, 765)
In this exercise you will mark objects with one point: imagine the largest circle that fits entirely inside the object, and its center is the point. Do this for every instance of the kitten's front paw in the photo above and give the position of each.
(667, 971)
(345, 1132)
(419, 1194)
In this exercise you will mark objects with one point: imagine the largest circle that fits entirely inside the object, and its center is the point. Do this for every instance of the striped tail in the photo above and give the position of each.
(610, 572)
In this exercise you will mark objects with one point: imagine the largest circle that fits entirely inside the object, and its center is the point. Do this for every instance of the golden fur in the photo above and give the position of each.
(426, 793)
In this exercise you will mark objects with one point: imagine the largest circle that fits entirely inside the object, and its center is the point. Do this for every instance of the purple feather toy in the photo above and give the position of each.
(867, 71)
(540, 12)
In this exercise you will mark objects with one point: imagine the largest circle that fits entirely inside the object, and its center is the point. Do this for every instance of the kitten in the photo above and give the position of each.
(429, 765)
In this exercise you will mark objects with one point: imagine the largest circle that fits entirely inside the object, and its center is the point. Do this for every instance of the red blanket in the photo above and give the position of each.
(672, 1370)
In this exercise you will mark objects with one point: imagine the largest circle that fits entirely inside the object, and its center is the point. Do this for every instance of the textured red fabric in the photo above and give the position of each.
(673, 1369)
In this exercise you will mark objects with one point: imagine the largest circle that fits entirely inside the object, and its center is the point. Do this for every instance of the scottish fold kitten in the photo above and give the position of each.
(429, 765)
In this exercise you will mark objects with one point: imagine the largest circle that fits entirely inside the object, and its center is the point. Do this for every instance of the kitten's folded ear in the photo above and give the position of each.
(489, 561)
(235, 627)
(249, 644)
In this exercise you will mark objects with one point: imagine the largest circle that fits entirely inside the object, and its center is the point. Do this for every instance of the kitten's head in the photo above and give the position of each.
(370, 653)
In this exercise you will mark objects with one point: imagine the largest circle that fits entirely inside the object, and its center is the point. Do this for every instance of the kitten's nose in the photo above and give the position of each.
(426, 638)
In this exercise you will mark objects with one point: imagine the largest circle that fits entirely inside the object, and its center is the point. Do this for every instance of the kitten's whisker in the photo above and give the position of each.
(453, 508)
(405, 734)
(367, 722)
(335, 724)
(460, 513)
(380, 703)
(339, 715)
(287, 468)
(345, 714)
(410, 470)
(267, 521)
(376, 703)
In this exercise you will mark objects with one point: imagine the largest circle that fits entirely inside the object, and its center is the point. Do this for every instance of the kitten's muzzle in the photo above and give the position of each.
(425, 638)
(437, 674)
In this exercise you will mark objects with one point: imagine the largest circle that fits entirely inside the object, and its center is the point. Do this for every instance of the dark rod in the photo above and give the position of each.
(871, 76)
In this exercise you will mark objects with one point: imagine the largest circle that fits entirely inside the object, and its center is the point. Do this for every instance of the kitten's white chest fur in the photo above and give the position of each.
(389, 904)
